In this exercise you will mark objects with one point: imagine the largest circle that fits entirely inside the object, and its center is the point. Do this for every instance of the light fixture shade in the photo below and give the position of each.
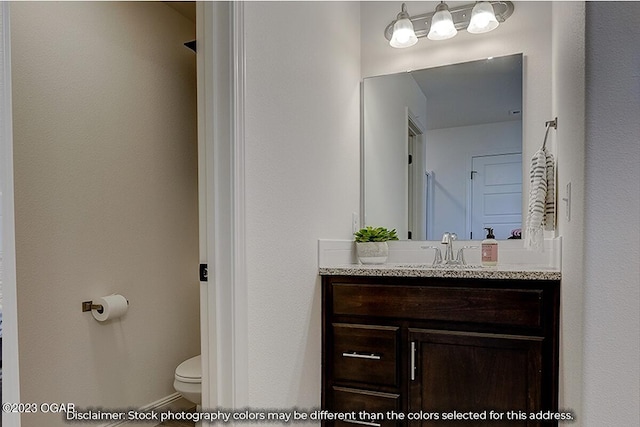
(483, 18)
(442, 27)
(403, 34)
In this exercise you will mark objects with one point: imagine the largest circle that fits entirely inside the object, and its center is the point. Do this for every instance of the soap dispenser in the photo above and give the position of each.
(489, 249)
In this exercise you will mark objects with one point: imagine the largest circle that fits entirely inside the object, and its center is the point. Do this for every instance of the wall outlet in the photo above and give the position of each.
(355, 222)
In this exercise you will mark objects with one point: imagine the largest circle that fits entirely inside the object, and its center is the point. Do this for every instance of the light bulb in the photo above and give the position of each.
(442, 27)
(483, 19)
(403, 34)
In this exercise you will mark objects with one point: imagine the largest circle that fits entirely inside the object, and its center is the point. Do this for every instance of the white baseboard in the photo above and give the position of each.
(159, 405)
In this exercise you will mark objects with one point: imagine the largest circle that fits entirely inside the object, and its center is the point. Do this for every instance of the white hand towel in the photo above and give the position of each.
(550, 198)
(534, 235)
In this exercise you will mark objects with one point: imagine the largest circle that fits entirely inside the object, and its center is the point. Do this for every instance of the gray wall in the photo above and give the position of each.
(612, 237)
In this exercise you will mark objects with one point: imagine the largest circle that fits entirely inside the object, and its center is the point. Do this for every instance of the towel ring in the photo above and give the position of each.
(550, 124)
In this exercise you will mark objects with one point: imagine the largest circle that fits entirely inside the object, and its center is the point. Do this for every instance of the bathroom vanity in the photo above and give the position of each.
(421, 341)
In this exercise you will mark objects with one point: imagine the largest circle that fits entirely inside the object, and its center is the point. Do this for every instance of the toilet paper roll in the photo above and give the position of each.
(113, 306)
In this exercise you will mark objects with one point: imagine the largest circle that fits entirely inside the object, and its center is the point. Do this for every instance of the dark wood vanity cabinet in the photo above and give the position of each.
(421, 346)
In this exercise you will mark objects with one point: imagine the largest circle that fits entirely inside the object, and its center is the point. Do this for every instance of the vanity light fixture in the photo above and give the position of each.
(444, 23)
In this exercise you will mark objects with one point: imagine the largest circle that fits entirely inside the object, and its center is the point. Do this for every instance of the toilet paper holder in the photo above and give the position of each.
(89, 305)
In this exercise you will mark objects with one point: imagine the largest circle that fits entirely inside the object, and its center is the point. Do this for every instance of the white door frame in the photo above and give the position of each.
(223, 297)
(415, 177)
(10, 365)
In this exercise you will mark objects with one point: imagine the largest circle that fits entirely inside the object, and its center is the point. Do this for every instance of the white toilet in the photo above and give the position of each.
(188, 379)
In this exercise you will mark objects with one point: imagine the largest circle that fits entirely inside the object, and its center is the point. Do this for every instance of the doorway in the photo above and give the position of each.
(496, 194)
(416, 182)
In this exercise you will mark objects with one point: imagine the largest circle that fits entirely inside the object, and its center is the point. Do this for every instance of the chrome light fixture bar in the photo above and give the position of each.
(460, 15)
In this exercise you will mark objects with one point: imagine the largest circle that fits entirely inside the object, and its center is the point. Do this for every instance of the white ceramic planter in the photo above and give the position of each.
(372, 252)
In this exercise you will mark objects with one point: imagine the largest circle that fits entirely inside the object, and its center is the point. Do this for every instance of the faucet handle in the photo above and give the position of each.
(460, 257)
(448, 238)
(437, 259)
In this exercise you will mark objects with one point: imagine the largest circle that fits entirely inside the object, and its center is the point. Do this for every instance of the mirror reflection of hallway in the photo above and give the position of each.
(462, 110)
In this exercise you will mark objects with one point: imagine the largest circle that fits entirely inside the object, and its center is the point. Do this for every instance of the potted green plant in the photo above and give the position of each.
(371, 244)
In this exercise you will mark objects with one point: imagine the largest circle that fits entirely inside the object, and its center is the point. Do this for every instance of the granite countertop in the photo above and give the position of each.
(513, 272)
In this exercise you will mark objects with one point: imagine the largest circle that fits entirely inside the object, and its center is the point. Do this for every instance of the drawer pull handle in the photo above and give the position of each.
(364, 423)
(371, 356)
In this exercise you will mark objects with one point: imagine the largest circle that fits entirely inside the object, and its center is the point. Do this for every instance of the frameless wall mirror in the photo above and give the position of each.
(442, 150)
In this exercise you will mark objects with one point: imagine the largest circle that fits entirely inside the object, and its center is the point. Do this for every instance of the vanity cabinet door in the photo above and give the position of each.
(455, 371)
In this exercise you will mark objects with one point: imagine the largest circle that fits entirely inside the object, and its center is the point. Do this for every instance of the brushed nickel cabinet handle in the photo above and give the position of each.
(353, 354)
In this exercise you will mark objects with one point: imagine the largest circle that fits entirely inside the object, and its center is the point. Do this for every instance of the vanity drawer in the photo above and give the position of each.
(515, 307)
(365, 353)
(346, 400)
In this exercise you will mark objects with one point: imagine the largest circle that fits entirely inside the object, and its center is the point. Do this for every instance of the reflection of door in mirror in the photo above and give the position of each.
(496, 194)
(411, 186)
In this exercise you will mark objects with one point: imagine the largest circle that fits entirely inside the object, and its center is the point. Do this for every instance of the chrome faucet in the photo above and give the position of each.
(460, 257)
(448, 239)
(437, 258)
